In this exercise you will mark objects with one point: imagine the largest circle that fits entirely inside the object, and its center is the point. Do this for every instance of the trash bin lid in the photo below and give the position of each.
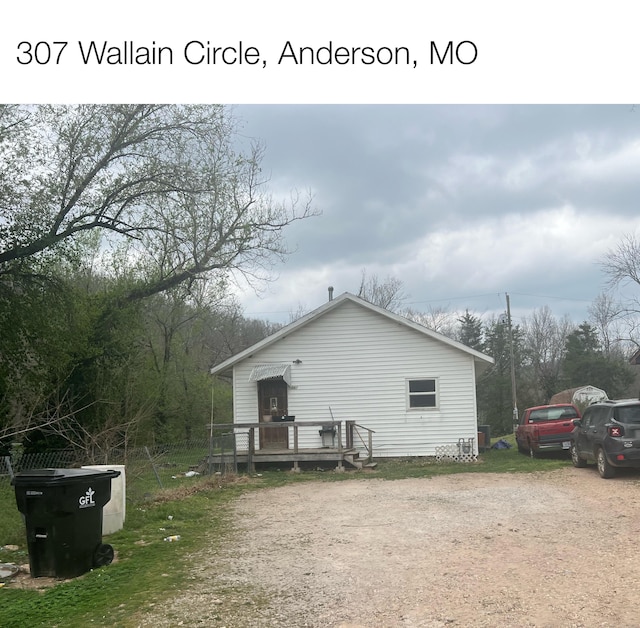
(58, 477)
(8, 570)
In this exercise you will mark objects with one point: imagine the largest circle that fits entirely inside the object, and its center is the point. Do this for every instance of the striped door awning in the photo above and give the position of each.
(271, 371)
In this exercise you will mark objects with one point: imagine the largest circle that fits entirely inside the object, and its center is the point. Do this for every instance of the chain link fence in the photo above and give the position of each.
(148, 469)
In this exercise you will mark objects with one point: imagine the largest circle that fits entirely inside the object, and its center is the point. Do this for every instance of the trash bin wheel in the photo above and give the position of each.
(103, 555)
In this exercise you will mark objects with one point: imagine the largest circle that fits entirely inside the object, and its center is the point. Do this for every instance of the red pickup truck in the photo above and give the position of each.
(546, 428)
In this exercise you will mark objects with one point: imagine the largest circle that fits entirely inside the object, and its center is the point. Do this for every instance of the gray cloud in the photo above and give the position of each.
(457, 201)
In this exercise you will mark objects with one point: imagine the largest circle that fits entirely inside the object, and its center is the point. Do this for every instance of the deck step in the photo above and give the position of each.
(354, 460)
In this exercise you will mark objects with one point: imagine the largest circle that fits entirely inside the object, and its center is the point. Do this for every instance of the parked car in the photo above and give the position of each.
(546, 428)
(608, 435)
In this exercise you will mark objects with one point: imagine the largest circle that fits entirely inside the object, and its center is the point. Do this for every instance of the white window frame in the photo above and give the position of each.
(409, 394)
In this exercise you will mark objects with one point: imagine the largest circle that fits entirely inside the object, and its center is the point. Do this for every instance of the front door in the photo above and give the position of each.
(272, 401)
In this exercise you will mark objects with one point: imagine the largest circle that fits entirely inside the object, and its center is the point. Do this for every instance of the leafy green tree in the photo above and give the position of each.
(165, 181)
(112, 217)
(39, 335)
(585, 363)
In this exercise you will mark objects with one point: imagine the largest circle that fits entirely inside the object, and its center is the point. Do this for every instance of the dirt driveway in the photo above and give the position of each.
(552, 549)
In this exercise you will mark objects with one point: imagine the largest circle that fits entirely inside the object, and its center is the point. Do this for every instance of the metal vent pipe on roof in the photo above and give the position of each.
(330, 293)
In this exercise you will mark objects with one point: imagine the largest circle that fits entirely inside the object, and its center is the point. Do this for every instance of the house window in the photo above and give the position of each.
(422, 393)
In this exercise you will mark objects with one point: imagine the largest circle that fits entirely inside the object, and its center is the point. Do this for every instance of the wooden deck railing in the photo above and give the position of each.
(252, 427)
(353, 435)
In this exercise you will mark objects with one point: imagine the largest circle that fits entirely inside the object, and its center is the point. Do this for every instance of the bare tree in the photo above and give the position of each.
(438, 319)
(298, 313)
(606, 317)
(544, 341)
(97, 446)
(622, 263)
(387, 293)
(622, 268)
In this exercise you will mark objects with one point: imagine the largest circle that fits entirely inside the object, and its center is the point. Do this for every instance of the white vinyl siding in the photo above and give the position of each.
(354, 365)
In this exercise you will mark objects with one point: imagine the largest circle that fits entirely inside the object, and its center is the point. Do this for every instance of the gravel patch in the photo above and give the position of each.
(526, 550)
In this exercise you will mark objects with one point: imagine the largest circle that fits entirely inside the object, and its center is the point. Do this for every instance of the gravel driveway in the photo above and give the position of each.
(548, 549)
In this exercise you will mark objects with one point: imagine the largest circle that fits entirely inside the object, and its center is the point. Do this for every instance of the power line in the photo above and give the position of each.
(542, 296)
(466, 298)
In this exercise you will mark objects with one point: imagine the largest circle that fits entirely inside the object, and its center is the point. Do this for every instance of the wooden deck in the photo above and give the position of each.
(339, 453)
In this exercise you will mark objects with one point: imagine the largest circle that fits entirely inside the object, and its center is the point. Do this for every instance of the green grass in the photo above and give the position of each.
(11, 527)
(493, 461)
(147, 569)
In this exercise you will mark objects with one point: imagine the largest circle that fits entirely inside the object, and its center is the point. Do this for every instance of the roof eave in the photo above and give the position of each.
(479, 358)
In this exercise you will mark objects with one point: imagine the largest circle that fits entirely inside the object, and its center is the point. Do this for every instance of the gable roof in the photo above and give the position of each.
(480, 358)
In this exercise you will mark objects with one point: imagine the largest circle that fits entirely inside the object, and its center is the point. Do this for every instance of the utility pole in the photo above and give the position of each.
(210, 465)
(513, 364)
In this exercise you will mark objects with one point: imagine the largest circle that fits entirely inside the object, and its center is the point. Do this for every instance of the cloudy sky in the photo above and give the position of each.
(462, 203)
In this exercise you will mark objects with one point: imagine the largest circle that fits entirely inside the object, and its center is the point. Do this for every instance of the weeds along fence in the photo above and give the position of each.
(148, 469)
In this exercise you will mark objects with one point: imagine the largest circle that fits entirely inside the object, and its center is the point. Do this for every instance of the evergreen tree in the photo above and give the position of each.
(494, 390)
(470, 332)
(585, 363)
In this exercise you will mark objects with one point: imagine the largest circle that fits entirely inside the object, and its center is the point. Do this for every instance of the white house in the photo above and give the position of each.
(349, 360)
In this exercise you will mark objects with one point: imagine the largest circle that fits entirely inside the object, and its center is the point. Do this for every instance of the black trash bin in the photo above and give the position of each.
(62, 509)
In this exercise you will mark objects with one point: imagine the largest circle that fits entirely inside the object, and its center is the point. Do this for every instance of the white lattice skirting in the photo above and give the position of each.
(462, 451)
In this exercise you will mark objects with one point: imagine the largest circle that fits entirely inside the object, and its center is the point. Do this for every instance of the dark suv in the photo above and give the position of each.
(609, 435)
